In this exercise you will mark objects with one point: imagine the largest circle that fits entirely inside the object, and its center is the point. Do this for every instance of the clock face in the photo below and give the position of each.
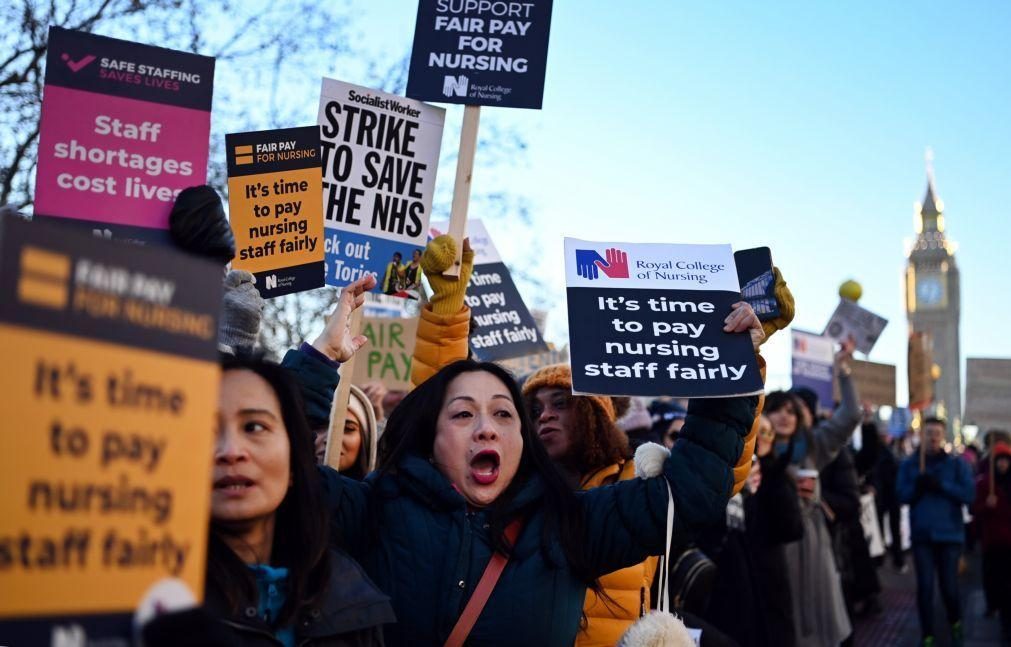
(929, 291)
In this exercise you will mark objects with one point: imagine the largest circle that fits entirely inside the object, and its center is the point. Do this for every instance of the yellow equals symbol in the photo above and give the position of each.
(244, 154)
(43, 279)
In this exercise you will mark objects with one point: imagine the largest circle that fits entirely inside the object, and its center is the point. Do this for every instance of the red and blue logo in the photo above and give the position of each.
(614, 263)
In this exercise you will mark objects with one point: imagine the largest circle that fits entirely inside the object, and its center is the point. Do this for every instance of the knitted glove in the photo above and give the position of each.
(241, 311)
(448, 293)
(786, 308)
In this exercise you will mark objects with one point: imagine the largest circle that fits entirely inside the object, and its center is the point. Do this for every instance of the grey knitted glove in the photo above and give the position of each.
(241, 311)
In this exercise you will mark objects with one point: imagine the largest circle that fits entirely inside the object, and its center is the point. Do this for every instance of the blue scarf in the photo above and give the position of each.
(799, 451)
(272, 585)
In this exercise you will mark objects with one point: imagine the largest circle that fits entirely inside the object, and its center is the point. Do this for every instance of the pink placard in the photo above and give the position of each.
(125, 173)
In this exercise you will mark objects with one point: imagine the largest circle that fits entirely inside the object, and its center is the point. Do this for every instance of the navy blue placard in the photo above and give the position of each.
(681, 352)
(84, 61)
(479, 52)
(501, 326)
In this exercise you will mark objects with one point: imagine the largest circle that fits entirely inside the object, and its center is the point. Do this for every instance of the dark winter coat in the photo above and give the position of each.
(936, 516)
(351, 614)
(994, 523)
(773, 520)
(430, 548)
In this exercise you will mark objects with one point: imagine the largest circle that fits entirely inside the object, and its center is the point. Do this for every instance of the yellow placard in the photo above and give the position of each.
(105, 466)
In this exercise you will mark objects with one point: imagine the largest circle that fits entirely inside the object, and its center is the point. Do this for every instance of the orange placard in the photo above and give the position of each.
(107, 399)
(275, 203)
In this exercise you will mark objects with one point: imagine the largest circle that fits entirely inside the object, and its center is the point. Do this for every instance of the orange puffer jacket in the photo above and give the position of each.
(628, 588)
(442, 339)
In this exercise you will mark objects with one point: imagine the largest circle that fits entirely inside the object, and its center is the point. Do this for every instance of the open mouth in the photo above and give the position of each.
(233, 484)
(484, 466)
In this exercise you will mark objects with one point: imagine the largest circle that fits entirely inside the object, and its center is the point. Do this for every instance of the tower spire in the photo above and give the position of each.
(931, 207)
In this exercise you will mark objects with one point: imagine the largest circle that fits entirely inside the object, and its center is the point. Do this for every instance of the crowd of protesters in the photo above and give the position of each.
(566, 500)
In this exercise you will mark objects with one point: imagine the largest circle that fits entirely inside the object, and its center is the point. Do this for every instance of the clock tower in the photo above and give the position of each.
(933, 298)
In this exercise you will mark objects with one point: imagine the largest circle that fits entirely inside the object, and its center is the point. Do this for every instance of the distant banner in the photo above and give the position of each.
(387, 357)
(480, 53)
(647, 319)
(813, 356)
(380, 157)
(108, 396)
(988, 393)
(274, 187)
(851, 320)
(501, 325)
(124, 128)
(874, 382)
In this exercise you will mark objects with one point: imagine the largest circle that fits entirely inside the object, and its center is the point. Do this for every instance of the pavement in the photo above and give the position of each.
(897, 625)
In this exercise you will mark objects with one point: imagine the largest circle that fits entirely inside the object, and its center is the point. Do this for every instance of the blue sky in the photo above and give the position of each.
(797, 125)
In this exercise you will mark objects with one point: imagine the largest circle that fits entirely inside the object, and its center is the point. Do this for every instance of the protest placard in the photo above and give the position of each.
(387, 357)
(988, 392)
(108, 396)
(380, 157)
(874, 382)
(899, 422)
(851, 320)
(124, 128)
(812, 360)
(480, 53)
(647, 319)
(501, 325)
(274, 186)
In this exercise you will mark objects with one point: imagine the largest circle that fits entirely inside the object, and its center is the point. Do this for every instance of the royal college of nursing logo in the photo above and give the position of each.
(614, 263)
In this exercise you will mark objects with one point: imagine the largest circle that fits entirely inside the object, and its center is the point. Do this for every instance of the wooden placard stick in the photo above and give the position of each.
(339, 408)
(461, 188)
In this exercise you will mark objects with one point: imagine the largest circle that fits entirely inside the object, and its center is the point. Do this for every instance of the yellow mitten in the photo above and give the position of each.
(786, 308)
(448, 293)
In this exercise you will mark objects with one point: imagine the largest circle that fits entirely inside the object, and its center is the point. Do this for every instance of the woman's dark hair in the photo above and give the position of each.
(780, 399)
(596, 440)
(301, 526)
(411, 429)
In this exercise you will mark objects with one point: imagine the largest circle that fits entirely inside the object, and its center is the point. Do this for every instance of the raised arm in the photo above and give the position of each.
(444, 328)
(314, 366)
(831, 435)
(626, 522)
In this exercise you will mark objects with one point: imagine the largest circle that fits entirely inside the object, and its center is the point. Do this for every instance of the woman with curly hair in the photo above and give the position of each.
(580, 435)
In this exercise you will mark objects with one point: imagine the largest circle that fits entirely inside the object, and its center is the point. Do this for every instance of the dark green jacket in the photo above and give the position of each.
(422, 545)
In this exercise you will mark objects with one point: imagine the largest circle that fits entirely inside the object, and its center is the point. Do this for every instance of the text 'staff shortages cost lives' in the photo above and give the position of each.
(480, 52)
(501, 325)
(380, 157)
(124, 129)
(274, 187)
(647, 320)
(108, 396)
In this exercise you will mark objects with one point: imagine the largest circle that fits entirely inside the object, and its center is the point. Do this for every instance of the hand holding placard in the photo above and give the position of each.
(744, 318)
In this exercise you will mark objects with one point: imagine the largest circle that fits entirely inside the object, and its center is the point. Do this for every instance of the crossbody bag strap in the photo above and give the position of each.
(663, 590)
(483, 590)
